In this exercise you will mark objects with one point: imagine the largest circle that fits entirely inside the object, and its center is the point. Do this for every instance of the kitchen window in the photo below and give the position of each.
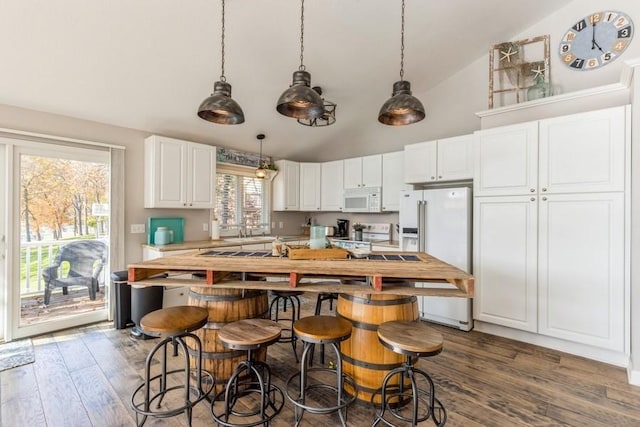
(242, 201)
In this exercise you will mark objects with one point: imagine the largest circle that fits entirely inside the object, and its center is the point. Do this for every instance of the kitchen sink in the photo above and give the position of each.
(254, 239)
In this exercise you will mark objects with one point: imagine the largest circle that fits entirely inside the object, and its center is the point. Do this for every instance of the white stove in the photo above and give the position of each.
(375, 233)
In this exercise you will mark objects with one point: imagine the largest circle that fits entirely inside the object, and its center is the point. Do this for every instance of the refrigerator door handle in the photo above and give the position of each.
(422, 226)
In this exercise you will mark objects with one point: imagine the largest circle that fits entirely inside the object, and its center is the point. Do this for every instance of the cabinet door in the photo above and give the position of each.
(310, 186)
(353, 172)
(201, 178)
(581, 268)
(420, 162)
(286, 186)
(504, 253)
(332, 185)
(392, 180)
(583, 152)
(165, 173)
(455, 158)
(506, 160)
(372, 171)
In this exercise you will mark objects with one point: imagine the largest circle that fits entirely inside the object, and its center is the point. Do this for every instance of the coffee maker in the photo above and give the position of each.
(343, 228)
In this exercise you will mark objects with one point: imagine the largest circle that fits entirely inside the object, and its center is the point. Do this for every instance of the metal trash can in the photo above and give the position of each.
(122, 310)
(133, 302)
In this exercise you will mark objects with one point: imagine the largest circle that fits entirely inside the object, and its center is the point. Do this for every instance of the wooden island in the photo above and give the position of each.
(387, 272)
(371, 291)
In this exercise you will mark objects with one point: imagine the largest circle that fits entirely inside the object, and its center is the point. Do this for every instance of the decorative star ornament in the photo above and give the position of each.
(538, 71)
(508, 54)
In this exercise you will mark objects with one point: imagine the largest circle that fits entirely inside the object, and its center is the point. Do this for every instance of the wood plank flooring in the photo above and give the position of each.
(85, 376)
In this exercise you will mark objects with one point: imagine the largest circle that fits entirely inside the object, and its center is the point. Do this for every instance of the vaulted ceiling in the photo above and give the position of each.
(147, 64)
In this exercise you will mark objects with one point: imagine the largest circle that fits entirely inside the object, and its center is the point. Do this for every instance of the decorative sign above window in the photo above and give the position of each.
(515, 67)
(229, 155)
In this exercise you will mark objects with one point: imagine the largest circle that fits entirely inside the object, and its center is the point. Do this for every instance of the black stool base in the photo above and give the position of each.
(343, 400)
(419, 404)
(270, 396)
(145, 403)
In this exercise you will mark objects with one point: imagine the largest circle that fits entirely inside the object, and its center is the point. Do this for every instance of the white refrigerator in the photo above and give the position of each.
(438, 221)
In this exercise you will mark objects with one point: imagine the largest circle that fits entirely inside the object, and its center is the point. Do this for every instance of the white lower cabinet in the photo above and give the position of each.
(581, 268)
(504, 264)
(552, 264)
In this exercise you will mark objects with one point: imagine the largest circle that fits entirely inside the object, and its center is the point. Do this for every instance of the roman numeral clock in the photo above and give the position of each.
(596, 40)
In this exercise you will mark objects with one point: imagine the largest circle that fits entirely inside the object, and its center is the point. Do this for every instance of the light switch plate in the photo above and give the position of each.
(137, 228)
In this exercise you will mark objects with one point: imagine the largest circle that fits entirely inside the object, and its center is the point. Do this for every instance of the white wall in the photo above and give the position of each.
(133, 140)
(451, 106)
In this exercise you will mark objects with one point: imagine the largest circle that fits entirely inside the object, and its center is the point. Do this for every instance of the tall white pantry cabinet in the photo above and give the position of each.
(550, 212)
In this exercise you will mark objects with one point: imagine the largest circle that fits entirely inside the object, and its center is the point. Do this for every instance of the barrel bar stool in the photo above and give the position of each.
(413, 339)
(175, 324)
(326, 330)
(249, 335)
(292, 299)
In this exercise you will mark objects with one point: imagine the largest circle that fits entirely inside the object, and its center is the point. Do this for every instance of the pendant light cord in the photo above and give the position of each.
(402, 45)
(301, 68)
(222, 77)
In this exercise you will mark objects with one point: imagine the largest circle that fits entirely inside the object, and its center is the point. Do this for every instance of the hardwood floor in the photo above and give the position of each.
(84, 377)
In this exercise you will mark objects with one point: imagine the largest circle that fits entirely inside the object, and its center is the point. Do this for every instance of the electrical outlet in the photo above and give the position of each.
(281, 224)
(205, 226)
(137, 228)
(273, 224)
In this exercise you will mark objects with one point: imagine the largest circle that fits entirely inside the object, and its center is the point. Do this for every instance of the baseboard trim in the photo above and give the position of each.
(633, 375)
(602, 355)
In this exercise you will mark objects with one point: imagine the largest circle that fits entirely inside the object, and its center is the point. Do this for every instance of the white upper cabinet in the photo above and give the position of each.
(310, 186)
(420, 162)
(449, 159)
(506, 160)
(583, 152)
(179, 174)
(332, 186)
(286, 186)
(363, 171)
(392, 180)
(455, 158)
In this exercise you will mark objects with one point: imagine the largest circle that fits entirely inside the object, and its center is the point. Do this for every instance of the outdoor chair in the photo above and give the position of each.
(85, 258)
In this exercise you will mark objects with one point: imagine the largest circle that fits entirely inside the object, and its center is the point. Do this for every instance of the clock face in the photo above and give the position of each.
(596, 40)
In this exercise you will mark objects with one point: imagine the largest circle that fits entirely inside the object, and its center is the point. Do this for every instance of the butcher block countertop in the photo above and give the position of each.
(390, 272)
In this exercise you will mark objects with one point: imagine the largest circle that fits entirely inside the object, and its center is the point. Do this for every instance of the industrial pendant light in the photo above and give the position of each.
(402, 108)
(300, 101)
(329, 116)
(220, 108)
(261, 172)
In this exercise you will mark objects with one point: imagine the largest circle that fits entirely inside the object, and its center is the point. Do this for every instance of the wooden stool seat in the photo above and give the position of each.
(410, 338)
(319, 329)
(249, 334)
(174, 320)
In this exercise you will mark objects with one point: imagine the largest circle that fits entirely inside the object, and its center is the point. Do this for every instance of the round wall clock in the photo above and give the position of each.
(596, 40)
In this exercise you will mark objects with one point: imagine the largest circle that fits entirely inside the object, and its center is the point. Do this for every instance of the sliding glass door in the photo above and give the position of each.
(60, 274)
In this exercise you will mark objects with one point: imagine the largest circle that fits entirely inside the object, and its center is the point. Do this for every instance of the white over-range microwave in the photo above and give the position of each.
(367, 199)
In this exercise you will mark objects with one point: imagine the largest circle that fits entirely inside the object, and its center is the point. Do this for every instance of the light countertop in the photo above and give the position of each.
(234, 241)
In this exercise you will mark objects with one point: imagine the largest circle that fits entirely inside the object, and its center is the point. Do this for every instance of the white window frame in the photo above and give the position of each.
(230, 169)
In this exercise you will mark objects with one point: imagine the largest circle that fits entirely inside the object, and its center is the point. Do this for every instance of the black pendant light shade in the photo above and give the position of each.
(300, 101)
(220, 108)
(402, 108)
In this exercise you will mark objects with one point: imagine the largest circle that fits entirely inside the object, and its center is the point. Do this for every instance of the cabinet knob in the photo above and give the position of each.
(544, 189)
(544, 199)
(532, 190)
(533, 199)
(433, 177)
(439, 176)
